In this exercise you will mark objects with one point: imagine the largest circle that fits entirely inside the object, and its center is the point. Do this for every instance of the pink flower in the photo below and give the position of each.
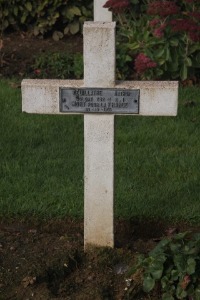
(117, 5)
(159, 32)
(195, 15)
(163, 8)
(188, 26)
(37, 72)
(195, 36)
(143, 63)
(154, 22)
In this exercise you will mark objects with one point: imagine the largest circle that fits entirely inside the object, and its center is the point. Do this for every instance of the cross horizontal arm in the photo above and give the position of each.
(157, 98)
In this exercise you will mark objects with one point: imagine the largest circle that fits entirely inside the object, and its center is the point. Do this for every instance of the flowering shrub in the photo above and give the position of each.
(162, 8)
(161, 38)
(117, 5)
(143, 63)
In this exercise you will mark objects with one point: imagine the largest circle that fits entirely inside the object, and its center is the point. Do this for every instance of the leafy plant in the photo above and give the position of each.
(58, 17)
(174, 265)
(58, 65)
(162, 37)
(61, 66)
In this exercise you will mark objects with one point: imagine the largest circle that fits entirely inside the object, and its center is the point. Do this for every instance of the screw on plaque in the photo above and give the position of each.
(135, 101)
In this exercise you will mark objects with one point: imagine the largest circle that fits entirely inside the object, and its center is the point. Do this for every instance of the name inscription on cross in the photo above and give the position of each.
(99, 98)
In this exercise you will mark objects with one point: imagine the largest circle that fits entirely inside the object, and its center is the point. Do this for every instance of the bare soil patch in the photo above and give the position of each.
(18, 50)
(46, 260)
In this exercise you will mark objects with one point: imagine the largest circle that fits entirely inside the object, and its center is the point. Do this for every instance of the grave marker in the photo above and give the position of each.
(99, 98)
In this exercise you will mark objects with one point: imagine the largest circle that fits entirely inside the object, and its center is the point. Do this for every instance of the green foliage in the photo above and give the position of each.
(64, 65)
(59, 65)
(123, 63)
(174, 265)
(57, 16)
(170, 41)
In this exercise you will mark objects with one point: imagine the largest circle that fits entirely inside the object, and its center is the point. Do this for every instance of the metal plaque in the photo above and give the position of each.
(99, 100)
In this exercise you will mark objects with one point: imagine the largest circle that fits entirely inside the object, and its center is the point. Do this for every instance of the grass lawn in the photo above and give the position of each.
(157, 171)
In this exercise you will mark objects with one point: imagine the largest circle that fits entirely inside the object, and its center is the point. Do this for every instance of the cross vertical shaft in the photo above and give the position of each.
(100, 13)
(99, 72)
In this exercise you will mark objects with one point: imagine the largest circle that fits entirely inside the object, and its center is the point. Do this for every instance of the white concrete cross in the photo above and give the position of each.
(47, 97)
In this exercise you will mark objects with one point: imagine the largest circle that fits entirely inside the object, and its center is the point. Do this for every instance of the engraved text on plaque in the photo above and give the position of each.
(99, 100)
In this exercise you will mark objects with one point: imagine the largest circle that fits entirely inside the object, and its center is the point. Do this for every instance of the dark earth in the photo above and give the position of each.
(45, 259)
(19, 50)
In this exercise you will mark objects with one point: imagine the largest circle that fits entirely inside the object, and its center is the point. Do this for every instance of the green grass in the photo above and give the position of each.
(157, 173)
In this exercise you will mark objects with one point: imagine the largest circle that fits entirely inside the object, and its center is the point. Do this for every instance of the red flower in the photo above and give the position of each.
(188, 26)
(37, 72)
(162, 8)
(154, 22)
(185, 282)
(195, 36)
(159, 32)
(143, 63)
(195, 15)
(117, 5)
